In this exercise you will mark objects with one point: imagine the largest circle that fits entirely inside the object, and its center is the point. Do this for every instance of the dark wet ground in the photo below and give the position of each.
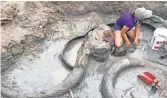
(37, 74)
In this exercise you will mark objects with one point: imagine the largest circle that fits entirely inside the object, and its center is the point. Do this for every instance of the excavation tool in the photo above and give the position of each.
(163, 56)
(150, 79)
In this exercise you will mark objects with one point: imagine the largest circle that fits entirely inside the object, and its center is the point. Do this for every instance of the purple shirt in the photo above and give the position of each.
(126, 19)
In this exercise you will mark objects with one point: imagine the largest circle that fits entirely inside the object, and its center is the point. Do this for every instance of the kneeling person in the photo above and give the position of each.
(129, 24)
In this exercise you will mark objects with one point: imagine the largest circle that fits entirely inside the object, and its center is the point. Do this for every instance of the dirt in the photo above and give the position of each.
(36, 75)
(38, 18)
(37, 22)
(54, 20)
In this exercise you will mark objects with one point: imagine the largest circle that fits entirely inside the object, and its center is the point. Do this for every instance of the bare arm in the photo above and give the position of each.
(124, 29)
(124, 36)
(137, 31)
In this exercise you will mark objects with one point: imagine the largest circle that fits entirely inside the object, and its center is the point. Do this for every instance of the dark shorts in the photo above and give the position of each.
(116, 27)
(119, 28)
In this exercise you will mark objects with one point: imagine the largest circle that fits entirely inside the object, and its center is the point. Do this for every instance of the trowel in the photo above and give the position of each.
(154, 88)
(163, 56)
(150, 79)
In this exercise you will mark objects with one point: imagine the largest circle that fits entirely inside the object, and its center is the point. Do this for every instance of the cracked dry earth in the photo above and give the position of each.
(39, 28)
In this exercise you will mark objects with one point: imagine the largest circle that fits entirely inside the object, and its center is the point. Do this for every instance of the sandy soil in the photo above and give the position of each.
(38, 18)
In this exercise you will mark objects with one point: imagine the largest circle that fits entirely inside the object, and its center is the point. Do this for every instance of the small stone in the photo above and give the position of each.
(6, 61)
(21, 69)
(42, 92)
(41, 26)
(22, 17)
(17, 50)
(14, 82)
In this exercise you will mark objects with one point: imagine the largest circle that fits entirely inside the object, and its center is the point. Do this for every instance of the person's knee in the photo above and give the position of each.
(118, 44)
(118, 39)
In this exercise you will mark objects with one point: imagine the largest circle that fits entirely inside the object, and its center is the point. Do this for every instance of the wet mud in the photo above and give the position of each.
(32, 65)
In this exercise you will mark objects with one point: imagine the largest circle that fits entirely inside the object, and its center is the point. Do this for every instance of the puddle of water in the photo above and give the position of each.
(71, 53)
(40, 74)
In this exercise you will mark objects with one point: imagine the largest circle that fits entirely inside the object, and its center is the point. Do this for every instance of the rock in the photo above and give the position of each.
(22, 17)
(17, 50)
(7, 60)
(96, 45)
(14, 82)
(7, 14)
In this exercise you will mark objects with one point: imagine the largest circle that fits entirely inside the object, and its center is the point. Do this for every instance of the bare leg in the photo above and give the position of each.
(118, 39)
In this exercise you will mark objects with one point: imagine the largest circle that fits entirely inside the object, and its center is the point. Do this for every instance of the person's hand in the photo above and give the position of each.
(136, 41)
(128, 43)
(137, 37)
